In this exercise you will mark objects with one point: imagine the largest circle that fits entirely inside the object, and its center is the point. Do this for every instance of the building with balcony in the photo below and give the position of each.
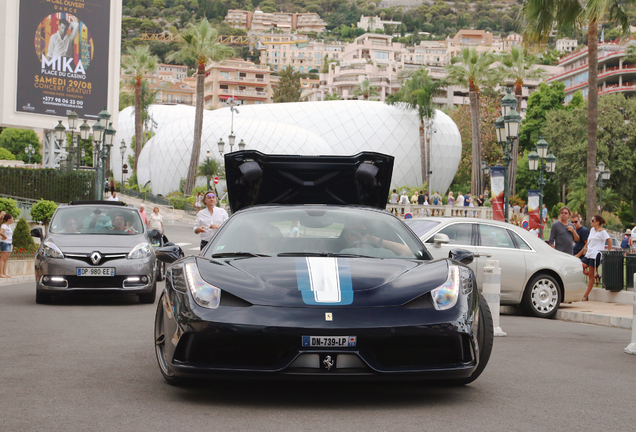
(566, 45)
(373, 23)
(614, 75)
(260, 21)
(296, 51)
(175, 92)
(244, 81)
(173, 72)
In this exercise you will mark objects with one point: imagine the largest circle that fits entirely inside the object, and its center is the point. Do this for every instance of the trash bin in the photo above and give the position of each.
(630, 269)
(612, 263)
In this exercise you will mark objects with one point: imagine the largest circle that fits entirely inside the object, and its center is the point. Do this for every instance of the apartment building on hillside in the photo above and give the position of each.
(246, 82)
(286, 22)
(289, 50)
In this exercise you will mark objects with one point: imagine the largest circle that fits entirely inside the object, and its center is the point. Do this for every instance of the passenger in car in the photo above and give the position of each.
(268, 238)
(357, 236)
(70, 226)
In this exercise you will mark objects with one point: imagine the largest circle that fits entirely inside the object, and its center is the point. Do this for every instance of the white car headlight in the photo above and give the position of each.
(49, 249)
(142, 250)
(445, 297)
(204, 294)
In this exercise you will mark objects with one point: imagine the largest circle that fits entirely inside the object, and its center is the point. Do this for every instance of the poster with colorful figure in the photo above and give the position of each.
(63, 57)
(497, 190)
(533, 208)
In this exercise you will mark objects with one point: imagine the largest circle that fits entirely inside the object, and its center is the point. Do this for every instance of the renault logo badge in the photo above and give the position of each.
(96, 258)
(328, 316)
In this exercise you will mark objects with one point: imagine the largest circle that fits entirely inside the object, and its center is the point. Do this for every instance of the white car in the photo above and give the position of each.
(533, 274)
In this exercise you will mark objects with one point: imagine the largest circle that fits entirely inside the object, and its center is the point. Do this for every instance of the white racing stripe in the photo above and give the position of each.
(324, 279)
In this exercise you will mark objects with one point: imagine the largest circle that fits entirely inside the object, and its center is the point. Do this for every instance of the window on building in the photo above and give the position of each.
(379, 55)
(224, 74)
(242, 74)
(301, 69)
(260, 76)
(223, 86)
(260, 89)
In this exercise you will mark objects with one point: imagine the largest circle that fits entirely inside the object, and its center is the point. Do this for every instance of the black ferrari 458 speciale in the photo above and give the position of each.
(310, 277)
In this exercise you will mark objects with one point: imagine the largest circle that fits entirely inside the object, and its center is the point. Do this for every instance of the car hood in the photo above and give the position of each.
(86, 243)
(256, 178)
(293, 281)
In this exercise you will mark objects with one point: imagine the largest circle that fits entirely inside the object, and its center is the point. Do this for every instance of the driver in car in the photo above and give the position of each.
(268, 238)
(119, 223)
(357, 237)
(70, 226)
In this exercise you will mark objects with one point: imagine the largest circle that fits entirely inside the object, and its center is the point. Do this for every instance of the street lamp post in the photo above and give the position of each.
(109, 137)
(30, 150)
(122, 151)
(602, 176)
(73, 119)
(232, 138)
(484, 172)
(507, 128)
(540, 160)
(207, 166)
(85, 135)
(98, 137)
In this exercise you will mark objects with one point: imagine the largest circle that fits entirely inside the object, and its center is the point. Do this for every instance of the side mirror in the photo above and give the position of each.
(169, 244)
(440, 239)
(169, 254)
(461, 255)
(37, 232)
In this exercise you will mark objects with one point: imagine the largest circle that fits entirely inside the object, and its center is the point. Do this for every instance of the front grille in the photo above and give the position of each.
(95, 281)
(233, 351)
(415, 352)
(87, 259)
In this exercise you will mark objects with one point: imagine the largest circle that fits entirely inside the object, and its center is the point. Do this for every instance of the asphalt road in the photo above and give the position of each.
(87, 364)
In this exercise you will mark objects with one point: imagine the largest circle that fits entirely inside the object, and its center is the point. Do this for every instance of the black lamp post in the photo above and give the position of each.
(60, 133)
(545, 163)
(602, 176)
(73, 119)
(85, 135)
(207, 165)
(221, 145)
(122, 151)
(109, 137)
(30, 150)
(98, 137)
(484, 172)
(507, 128)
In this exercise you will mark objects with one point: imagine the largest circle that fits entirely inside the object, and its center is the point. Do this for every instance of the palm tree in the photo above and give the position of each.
(472, 70)
(209, 168)
(539, 17)
(137, 63)
(417, 94)
(332, 96)
(366, 90)
(199, 44)
(519, 66)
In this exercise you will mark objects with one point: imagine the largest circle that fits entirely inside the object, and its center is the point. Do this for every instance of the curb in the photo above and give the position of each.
(17, 279)
(597, 319)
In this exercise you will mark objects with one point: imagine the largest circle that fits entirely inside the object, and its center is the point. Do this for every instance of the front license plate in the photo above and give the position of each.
(329, 341)
(92, 271)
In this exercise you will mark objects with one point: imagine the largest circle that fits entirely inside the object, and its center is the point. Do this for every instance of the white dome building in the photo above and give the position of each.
(313, 128)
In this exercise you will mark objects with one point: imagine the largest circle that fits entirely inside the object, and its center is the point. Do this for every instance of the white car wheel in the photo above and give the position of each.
(542, 296)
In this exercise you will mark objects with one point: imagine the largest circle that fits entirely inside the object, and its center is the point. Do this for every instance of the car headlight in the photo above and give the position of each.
(204, 294)
(445, 296)
(49, 249)
(142, 250)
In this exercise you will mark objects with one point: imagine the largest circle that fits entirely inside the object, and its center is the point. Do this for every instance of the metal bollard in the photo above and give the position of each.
(631, 348)
(491, 289)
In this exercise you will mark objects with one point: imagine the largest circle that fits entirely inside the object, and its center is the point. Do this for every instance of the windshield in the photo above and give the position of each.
(96, 220)
(315, 231)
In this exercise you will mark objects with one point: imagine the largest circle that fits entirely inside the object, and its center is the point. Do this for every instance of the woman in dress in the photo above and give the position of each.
(6, 240)
(155, 220)
(451, 199)
(595, 244)
(198, 202)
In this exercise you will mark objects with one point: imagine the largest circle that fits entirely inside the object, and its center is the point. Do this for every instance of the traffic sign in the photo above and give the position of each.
(216, 180)
(408, 216)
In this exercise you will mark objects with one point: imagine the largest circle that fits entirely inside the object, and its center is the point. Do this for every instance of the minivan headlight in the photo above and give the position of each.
(49, 249)
(142, 250)
(445, 296)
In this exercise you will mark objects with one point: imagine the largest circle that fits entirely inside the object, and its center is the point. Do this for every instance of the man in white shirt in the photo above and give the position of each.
(210, 219)
(113, 197)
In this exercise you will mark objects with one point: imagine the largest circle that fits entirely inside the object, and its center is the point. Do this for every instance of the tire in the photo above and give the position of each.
(542, 296)
(161, 271)
(160, 344)
(42, 297)
(149, 298)
(485, 340)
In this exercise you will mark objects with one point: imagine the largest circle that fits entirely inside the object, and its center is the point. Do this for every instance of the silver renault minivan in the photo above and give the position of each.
(95, 246)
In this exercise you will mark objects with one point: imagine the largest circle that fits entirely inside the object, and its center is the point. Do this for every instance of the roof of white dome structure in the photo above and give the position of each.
(331, 127)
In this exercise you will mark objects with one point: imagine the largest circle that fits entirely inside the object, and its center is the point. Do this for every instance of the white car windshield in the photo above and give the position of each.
(74, 220)
(311, 231)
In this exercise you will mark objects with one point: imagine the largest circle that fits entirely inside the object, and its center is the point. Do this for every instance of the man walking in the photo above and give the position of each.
(563, 233)
(210, 219)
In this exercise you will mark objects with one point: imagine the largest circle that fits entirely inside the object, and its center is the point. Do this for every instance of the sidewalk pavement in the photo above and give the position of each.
(169, 214)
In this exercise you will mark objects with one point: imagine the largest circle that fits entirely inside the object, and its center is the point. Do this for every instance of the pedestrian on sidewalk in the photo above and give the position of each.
(6, 240)
(198, 201)
(563, 233)
(210, 219)
(579, 247)
(113, 197)
(626, 243)
(144, 216)
(451, 199)
(595, 244)
(155, 221)
(112, 185)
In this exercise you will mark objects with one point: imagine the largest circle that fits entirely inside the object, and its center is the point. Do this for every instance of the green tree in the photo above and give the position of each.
(539, 17)
(42, 211)
(366, 90)
(10, 206)
(137, 63)
(22, 237)
(200, 44)
(209, 168)
(472, 70)
(519, 66)
(6, 154)
(416, 94)
(332, 96)
(547, 97)
(16, 140)
(288, 89)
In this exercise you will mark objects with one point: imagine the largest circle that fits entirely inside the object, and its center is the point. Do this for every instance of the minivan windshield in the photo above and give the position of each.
(315, 231)
(96, 220)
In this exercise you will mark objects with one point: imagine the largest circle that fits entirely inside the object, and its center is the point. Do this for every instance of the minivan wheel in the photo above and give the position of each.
(149, 298)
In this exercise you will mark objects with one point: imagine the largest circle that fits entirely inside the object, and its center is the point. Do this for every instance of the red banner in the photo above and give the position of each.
(533, 208)
(497, 190)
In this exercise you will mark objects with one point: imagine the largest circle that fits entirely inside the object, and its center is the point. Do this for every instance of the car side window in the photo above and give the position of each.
(460, 234)
(521, 243)
(494, 236)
